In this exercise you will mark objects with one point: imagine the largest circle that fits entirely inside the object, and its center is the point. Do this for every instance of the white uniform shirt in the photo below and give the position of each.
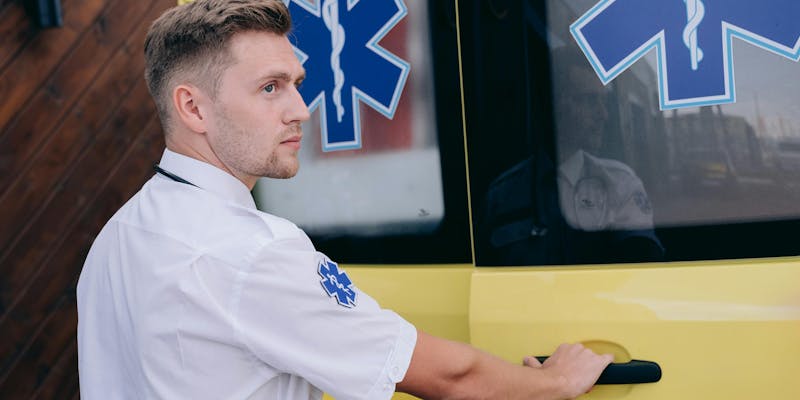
(192, 293)
(602, 194)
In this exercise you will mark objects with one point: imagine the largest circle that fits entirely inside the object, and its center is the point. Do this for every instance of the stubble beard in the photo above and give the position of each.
(236, 147)
(274, 169)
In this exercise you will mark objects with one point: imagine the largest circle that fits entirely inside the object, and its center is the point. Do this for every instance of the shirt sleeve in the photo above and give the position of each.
(634, 219)
(632, 210)
(299, 313)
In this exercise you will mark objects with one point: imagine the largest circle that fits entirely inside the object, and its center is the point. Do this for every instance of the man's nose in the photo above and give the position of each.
(297, 110)
(597, 105)
(602, 111)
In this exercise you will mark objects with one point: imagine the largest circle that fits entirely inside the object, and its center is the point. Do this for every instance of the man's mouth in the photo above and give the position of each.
(293, 141)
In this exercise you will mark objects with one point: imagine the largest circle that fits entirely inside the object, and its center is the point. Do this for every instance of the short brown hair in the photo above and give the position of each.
(190, 41)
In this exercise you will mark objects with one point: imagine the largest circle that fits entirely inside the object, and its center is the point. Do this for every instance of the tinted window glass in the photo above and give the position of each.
(565, 169)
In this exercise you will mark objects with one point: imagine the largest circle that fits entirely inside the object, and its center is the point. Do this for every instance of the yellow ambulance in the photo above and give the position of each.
(516, 174)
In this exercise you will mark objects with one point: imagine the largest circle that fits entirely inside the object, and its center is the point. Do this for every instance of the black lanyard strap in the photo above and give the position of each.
(172, 176)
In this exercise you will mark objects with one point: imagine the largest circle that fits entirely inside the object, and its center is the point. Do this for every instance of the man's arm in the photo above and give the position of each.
(443, 369)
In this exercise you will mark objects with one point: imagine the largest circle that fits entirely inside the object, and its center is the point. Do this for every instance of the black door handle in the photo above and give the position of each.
(634, 371)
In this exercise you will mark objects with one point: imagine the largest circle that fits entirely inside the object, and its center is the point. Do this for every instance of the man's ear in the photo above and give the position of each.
(191, 107)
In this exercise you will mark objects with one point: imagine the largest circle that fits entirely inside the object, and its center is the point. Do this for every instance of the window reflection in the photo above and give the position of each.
(728, 163)
(625, 180)
(597, 210)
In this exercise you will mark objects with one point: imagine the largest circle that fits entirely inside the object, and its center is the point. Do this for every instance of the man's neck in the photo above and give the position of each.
(203, 152)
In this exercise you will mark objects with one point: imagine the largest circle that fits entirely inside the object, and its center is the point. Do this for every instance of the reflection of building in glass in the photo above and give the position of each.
(634, 132)
(786, 156)
(714, 145)
(730, 163)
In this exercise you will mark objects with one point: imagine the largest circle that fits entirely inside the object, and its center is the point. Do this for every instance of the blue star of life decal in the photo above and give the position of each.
(692, 38)
(337, 43)
(337, 284)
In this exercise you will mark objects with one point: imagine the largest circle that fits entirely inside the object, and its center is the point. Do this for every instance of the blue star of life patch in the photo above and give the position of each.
(641, 201)
(337, 284)
(693, 41)
(337, 43)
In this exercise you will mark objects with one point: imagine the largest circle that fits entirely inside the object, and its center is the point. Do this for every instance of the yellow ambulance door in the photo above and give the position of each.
(719, 330)
(622, 201)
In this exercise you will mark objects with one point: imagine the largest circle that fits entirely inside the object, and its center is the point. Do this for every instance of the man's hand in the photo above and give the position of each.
(443, 369)
(575, 366)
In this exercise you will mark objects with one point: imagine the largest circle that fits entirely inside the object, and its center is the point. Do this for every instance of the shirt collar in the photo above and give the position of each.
(572, 168)
(207, 177)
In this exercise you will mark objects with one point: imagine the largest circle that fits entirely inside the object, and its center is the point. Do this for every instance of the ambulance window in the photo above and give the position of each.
(611, 172)
(385, 201)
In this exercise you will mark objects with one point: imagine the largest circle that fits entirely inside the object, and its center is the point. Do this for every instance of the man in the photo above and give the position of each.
(190, 292)
(585, 209)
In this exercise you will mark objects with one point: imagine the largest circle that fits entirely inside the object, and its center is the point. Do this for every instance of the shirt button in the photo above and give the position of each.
(395, 373)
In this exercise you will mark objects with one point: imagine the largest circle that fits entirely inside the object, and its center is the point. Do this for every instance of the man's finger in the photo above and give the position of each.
(530, 361)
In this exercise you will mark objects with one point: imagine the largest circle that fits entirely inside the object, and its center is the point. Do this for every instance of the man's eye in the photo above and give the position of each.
(269, 88)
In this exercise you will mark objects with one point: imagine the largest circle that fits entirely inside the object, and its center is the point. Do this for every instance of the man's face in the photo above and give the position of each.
(581, 110)
(254, 128)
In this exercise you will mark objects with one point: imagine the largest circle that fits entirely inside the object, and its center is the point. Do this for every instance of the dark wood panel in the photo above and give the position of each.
(133, 170)
(16, 29)
(62, 381)
(40, 56)
(36, 287)
(56, 333)
(68, 197)
(24, 199)
(78, 136)
(34, 124)
(71, 196)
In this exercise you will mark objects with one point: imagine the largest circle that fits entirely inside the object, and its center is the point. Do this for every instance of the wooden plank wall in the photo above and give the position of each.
(78, 136)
